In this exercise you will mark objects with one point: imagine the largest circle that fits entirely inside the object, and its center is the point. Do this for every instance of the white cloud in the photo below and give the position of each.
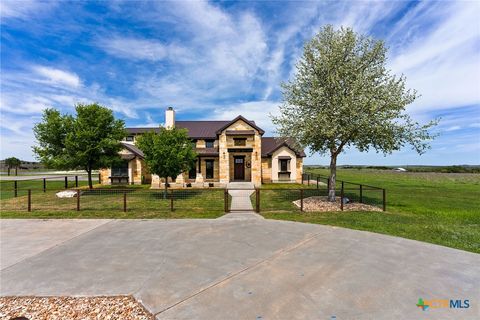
(23, 9)
(143, 49)
(257, 111)
(57, 76)
(443, 63)
(453, 128)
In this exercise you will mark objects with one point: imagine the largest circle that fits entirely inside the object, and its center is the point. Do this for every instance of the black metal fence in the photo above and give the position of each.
(312, 196)
(104, 199)
(49, 182)
(349, 192)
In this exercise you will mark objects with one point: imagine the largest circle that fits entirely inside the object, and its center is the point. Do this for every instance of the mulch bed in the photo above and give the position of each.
(321, 204)
(69, 308)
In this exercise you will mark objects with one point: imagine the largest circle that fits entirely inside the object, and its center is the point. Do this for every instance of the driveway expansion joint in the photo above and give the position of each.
(272, 257)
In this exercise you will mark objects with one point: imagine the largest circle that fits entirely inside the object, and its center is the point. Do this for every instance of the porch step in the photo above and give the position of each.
(240, 185)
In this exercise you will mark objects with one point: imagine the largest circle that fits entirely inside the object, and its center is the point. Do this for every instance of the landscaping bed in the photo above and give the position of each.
(72, 308)
(321, 204)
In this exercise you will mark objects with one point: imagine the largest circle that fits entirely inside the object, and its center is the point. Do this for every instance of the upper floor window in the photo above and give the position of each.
(194, 144)
(209, 143)
(239, 142)
(129, 138)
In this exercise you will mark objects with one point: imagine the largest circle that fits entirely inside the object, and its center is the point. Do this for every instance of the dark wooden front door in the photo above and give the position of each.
(239, 168)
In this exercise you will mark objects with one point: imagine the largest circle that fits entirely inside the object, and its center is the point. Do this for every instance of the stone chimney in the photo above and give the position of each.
(170, 118)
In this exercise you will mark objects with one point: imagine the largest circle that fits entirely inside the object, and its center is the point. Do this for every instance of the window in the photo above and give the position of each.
(209, 143)
(239, 142)
(192, 174)
(209, 169)
(194, 144)
(129, 138)
(120, 169)
(283, 165)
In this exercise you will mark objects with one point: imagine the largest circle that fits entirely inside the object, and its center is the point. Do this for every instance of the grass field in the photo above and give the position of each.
(441, 208)
(109, 203)
(6, 186)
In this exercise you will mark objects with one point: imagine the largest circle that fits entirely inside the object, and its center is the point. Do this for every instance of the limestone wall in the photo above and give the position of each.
(266, 170)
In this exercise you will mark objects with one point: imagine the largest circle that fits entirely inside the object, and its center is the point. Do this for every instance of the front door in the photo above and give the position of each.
(239, 168)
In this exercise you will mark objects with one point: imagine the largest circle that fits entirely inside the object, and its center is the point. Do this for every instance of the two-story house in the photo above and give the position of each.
(228, 150)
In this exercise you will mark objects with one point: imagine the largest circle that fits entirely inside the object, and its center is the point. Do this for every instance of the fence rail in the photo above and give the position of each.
(350, 191)
(194, 200)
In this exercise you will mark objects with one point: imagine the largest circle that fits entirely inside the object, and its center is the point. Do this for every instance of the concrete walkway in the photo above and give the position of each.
(241, 269)
(241, 192)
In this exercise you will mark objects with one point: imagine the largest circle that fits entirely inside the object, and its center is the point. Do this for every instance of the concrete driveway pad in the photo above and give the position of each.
(22, 238)
(242, 269)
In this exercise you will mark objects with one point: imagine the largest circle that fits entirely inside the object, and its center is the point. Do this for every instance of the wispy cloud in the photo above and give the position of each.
(57, 77)
(23, 9)
(142, 49)
(218, 60)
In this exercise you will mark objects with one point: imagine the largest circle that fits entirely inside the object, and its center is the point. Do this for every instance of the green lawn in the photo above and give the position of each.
(108, 202)
(7, 186)
(441, 208)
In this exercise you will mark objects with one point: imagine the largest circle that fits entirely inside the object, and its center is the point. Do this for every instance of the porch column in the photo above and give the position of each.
(199, 177)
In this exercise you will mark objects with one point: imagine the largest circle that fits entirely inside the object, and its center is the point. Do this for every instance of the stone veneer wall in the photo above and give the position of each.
(266, 170)
(299, 169)
(104, 176)
(253, 141)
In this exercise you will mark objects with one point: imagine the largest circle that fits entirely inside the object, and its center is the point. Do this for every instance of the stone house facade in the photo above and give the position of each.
(230, 150)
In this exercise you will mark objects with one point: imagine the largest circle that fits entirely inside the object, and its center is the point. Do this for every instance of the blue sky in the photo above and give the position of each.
(215, 60)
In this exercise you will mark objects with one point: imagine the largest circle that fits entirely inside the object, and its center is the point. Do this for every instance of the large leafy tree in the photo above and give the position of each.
(342, 95)
(13, 162)
(168, 152)
(89, 140)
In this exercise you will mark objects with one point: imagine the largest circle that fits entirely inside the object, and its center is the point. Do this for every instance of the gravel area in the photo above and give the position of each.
(320, 204)
(69, 308)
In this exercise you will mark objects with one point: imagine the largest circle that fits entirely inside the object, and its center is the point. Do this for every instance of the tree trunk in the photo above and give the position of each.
(90, 184)
(333, 178)
(16, 171)
(166, 188)
(8, 170)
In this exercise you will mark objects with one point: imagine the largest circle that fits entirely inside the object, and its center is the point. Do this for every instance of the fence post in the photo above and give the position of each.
(225, 200)
(99, 178)
(341, 198)
(328, 183)
(44, 185)
(257, 200)
(78, 199)
(302, 177)
(171, 200)
(29, 200)
(361, 193)
(125, 202)
(15, 188)
(317, 182)
(308, 177)
(301, 200)
(76, 181)
(384, 200)
(66, 182)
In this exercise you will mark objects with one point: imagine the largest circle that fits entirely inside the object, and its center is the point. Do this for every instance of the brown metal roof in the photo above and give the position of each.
(271, 144)
(133, 149)
(203, 129)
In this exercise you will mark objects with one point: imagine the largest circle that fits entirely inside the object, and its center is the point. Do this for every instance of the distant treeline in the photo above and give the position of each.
(441, 169)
